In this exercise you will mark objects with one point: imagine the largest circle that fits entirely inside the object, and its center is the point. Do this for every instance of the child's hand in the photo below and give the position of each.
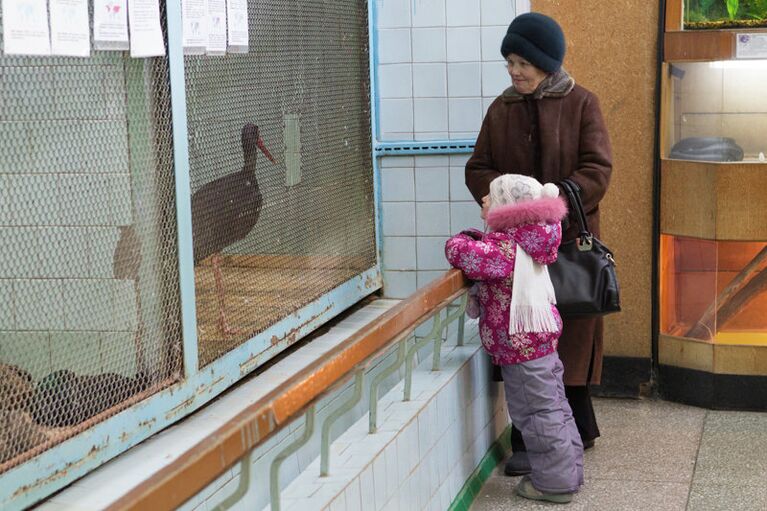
(485, 207)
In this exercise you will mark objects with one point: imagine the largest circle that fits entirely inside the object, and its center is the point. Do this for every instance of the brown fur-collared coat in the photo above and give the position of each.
(555, 133)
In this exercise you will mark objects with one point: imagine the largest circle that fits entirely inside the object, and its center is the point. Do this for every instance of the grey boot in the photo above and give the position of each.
(518, 464)
(526, 489)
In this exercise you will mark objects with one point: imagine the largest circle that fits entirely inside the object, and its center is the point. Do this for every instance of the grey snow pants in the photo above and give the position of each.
(535, 396)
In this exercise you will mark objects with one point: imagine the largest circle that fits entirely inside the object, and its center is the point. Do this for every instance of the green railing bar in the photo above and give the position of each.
(436, 333)
(462, 321)
(345, 407)
(458, 313)
(378, 379)
(274, 471)
(242, 487)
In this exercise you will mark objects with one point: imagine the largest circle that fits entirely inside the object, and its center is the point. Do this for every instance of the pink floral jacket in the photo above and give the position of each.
(489, 259)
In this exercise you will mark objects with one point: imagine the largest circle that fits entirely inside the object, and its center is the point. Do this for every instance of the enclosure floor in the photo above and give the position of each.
(255, 298)
(655, 455)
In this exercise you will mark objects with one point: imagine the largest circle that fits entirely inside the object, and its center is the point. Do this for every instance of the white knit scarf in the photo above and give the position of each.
(532, 296)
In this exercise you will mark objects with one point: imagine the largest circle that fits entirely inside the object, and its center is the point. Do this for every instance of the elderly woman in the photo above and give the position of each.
(547, 127)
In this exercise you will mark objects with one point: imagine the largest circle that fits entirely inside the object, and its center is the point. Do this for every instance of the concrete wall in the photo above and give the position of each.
(611, 50)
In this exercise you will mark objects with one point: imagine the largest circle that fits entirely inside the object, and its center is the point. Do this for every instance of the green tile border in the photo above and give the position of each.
(476, 480)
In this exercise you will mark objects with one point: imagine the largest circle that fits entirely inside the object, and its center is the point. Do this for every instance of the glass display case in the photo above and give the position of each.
(719, 14)
(714, 290)
(712, 257)
(716, 111)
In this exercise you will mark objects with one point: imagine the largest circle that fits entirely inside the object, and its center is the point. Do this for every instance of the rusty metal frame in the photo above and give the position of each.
(203, 462)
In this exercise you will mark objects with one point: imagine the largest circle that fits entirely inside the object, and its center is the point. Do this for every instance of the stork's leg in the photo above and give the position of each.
(222, 322)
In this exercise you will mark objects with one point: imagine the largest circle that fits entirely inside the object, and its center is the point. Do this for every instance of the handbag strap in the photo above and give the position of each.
(585, 236)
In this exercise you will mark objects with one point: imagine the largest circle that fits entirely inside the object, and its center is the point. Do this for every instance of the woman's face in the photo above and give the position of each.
(525, 76)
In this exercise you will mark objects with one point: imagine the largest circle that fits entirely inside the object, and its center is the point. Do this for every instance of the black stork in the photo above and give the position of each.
(226, 210)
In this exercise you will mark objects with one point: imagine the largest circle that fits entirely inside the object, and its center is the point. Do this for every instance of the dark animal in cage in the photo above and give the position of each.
(18, 432)
(226, 210)
(16, 388)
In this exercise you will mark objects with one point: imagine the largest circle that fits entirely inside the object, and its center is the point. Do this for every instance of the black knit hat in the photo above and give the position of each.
(536, 38)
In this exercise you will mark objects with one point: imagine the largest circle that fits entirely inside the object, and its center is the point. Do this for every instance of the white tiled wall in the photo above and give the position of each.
(439, 65)
(424, 450)
(425, 200)
(439, 69)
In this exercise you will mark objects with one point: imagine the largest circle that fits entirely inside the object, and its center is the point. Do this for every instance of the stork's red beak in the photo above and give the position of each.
(260, 144)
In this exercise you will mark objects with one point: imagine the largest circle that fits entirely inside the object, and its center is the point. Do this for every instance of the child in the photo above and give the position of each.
(520, 325)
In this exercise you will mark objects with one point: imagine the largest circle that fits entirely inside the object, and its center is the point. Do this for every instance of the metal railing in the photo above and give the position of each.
(236, 440)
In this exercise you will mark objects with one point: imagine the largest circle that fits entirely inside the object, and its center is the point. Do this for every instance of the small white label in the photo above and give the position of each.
(70, 31)
(751, 46)
(25, 27)
(145, 31)
(195, 16)
(110, 25)
(237, 16)
(216, 27)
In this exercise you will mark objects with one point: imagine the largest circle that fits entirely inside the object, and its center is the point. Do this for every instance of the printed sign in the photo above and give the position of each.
(216, 27)
(145, 31)
(751, 46)
(70, 30)
(237, 16)
(195, 23)
(110, 25)
(25, 27)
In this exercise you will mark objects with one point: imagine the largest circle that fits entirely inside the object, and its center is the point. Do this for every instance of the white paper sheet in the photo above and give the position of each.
(25, 27)
(216, 27)
(237, 15)
(70, 30)
(751, 46)
(145, 32)
(195, 23)
(110, 25)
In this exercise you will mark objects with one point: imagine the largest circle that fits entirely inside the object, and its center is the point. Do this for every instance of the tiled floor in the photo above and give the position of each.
(655, 455)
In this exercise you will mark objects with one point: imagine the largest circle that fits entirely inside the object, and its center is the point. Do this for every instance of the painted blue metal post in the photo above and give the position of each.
(183, 188)
(374, 126)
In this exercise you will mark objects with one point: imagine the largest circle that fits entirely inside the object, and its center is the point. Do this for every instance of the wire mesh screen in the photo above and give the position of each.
(281, 170)
(89, 321)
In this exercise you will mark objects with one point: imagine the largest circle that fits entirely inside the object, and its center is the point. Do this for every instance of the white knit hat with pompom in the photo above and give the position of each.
(514, 188)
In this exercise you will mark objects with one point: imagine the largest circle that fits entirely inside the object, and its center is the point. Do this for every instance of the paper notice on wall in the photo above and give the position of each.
(216, 27)
(25, 27)
(70, 30)
(145, 32)
(110, 25)
(195, 26)
(751, 46)
(237, 16)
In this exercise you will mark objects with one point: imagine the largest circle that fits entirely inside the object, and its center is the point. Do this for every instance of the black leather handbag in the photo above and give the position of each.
(584, 276)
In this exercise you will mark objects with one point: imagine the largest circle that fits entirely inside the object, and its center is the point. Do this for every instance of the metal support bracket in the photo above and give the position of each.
(359, 378)
(379, 378)
(274, 470)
